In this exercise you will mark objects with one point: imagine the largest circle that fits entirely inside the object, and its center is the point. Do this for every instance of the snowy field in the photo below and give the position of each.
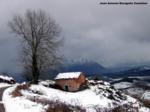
(146, 95)
(95, 96)
(142, 92)
(86, 98)
(20, 104)
(122, 85)
(4, 85)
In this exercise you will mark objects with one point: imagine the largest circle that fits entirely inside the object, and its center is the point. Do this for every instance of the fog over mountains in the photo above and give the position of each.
(113, 37)
(90, 68)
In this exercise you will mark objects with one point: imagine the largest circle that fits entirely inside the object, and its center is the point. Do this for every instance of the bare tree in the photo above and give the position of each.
(39, 35)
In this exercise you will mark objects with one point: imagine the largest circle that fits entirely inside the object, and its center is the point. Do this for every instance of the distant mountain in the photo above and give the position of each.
(137, 71)
(89, 68)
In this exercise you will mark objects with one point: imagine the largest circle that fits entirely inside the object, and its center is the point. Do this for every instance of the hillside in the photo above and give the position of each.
(136, 86)
(100, 96)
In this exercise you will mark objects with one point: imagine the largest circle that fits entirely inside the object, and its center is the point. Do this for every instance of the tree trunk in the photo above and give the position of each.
(35, 70)
(35, 79)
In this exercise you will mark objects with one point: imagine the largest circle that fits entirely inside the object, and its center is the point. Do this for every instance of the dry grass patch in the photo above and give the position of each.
(58, 106)
(17, 92)
(62, 107)
(146, 103)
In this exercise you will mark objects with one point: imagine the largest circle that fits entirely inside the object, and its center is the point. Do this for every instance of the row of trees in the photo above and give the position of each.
(39, 34)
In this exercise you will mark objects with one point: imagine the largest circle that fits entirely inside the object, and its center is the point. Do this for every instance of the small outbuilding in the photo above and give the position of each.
(70, 81)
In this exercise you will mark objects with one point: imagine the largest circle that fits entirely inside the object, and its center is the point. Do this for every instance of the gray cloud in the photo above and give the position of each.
(111, 35)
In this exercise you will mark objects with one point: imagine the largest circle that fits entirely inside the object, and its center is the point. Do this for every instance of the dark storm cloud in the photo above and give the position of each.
(111, 35)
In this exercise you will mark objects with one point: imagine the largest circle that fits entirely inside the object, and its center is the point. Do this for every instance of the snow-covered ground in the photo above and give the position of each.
(122, 85)
(4, 81)
(4, 85)
(6, 78)
(46, 83)
(139, 89)
(146, 95)
(20, 104)
(136, 91)
(85, 98)
(98, 95)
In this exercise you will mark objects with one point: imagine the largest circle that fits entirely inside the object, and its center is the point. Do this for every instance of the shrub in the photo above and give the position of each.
(57, 106)
(125, 108)
(146, 103)
(62, 107)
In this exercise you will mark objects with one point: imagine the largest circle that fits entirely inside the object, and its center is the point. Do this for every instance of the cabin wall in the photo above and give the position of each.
(71, 84)
(82, 79)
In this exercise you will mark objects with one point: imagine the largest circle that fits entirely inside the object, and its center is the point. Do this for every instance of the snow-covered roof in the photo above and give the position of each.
(68, 75)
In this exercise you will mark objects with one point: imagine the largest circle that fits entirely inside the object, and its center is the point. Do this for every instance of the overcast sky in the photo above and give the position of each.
(111, 35)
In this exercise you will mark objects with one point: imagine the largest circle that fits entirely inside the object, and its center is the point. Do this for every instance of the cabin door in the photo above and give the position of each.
(66, 87)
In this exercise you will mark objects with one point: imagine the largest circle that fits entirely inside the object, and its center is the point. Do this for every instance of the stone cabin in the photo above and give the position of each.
(71, 81)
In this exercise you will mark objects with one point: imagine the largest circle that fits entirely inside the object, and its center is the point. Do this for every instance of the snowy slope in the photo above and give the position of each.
(4, 85)
(146, 95)
(20, 104)
(136, 86)
(99, 95)
(6, 79)
(122, 85)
